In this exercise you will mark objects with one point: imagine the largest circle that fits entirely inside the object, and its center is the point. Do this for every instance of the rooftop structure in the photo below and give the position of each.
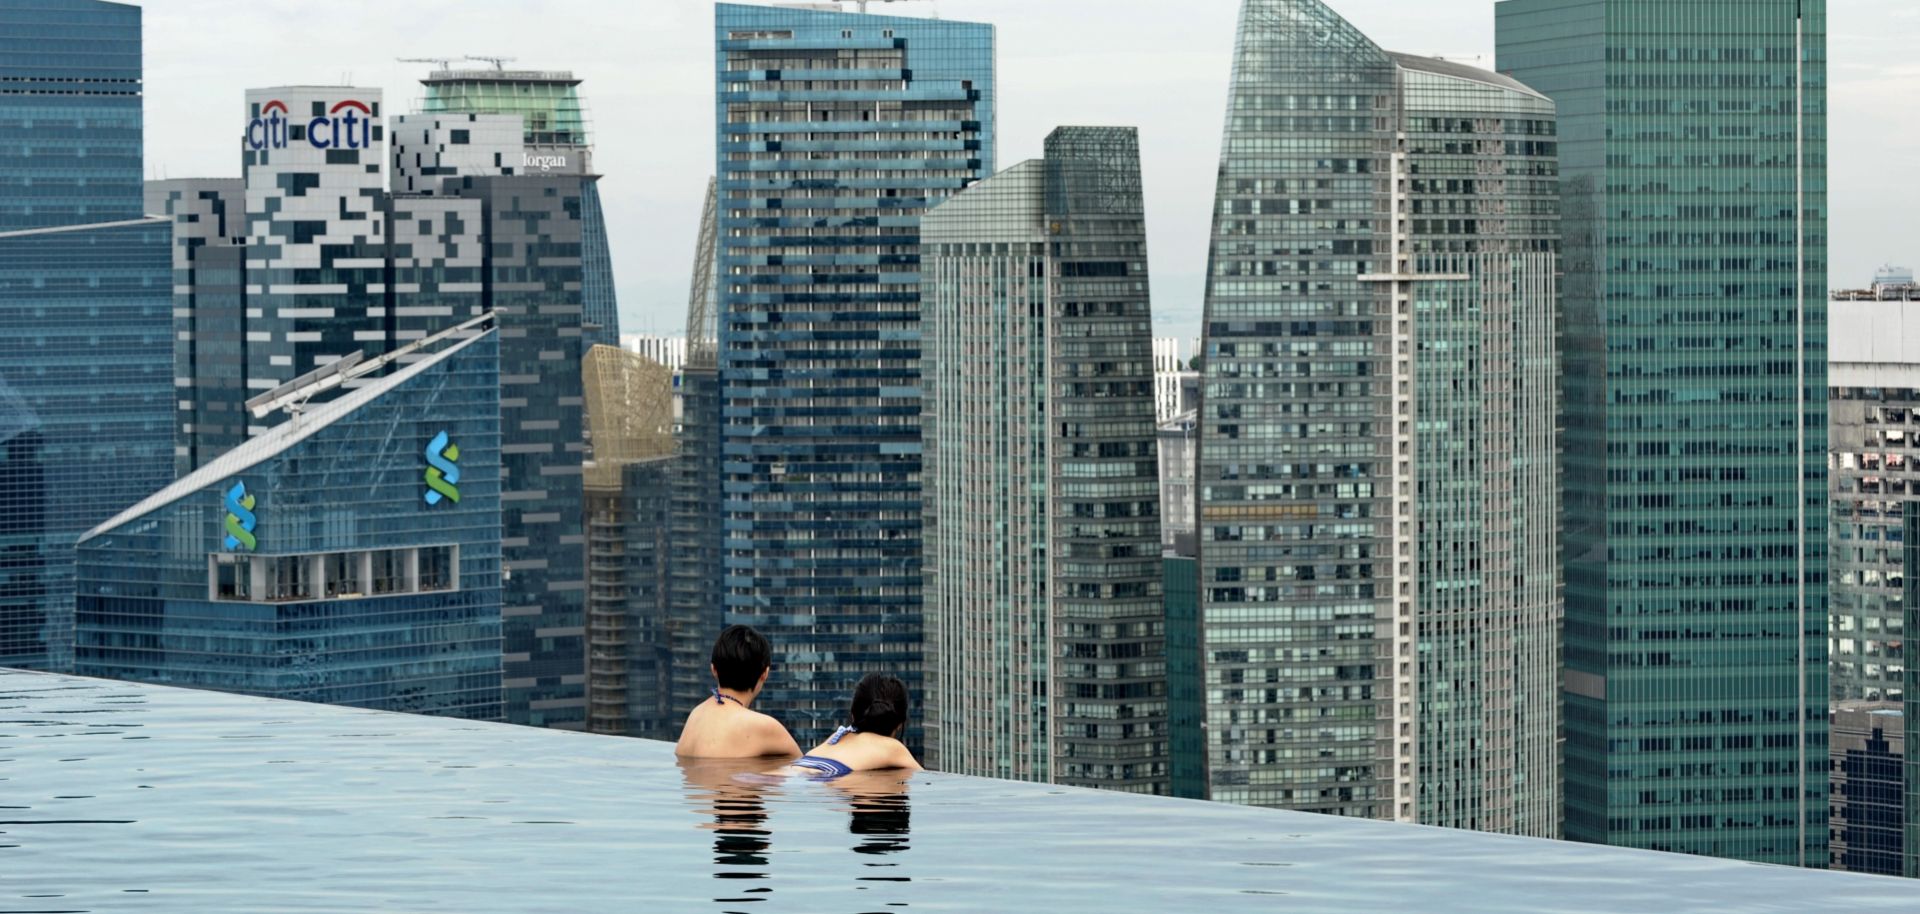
(144, 798)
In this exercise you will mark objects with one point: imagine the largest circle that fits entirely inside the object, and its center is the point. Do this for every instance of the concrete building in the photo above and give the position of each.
(86, 381)
(348, 555)
(1693, 177)
(834, 133)
(670, 351)
(1873, 443)
(1046, 644)
(1378, 525)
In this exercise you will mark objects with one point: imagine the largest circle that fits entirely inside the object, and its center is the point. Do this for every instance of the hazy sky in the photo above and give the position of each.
(1160, 65)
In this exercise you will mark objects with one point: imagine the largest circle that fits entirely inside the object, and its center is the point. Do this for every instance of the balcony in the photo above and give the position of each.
(124, 797)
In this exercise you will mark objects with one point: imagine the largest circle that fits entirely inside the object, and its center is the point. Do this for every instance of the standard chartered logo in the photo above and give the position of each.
(443, 473)
(240, 518)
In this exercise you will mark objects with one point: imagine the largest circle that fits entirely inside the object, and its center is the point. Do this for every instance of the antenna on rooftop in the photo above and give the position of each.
(446, 63)
(499, 63)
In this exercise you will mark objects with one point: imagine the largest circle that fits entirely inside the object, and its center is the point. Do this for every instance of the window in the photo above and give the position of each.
(459, 137)
(332, 575)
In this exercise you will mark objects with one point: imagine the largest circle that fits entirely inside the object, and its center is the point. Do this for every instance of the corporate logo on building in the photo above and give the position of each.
(442, 471)
(347, 125)
(542, 162)
(240, 519)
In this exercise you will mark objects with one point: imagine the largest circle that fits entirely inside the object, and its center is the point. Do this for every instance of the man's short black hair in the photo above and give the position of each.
(740, 655)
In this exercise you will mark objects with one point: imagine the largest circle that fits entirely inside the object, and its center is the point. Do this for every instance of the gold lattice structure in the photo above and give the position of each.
(629, 412)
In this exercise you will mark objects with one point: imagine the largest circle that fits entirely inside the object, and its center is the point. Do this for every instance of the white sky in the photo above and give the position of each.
(1160, 65)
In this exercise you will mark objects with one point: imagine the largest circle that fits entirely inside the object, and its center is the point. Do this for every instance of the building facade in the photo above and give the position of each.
(554, 141)
(1873, 443)
(1378, 335)
(1693, 160)
(209, 313)
(350, 555)
(670, 351)
(1867, 770)
(1046, 620)
(696, 604)
(86, 379)
(835, 132)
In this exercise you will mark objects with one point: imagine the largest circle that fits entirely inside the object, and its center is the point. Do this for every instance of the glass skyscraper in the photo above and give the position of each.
(1693, 155)
(835, 132)
(349, 555)
(556, 142)
(86, 376)
(1046, 619)
(1379, 591)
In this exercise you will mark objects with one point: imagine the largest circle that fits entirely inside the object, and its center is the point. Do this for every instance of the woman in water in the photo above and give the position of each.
(872, 741)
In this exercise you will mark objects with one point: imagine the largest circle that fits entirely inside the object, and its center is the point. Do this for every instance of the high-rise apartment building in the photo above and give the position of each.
(348, 555)
(86, 379)
(835, 132)
(695, 606)
(1046, 620)
(554, 141)
(670, 351)
(1377, 519)
(1693, 159)
(1873, 466)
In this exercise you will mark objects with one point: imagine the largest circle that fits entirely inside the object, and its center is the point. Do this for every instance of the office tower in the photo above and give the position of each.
(694, 597)
(1179, 445)
(1873, 401)
(1045, 613)
(1693, 335)
(554, 141)
(1868, 779)
(209, 313)
(340, 267)
(86, 381)
(1186, 677)
(348, 555)
(835, 133)
(627, 481)
(1376, 465)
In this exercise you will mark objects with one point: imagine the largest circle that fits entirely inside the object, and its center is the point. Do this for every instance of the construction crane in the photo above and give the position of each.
(499, 63)
(446, 63)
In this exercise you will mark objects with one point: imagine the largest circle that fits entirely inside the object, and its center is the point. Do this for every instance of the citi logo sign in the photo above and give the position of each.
(240, 519)
(348, 125)
(443, 472)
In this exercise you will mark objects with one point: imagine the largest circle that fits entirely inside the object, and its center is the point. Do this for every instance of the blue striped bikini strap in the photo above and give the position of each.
(834, 740)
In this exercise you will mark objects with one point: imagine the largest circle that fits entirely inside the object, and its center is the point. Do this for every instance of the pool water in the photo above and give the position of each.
(119, 797)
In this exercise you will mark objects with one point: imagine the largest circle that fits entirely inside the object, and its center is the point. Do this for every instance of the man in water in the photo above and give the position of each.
(726, 726)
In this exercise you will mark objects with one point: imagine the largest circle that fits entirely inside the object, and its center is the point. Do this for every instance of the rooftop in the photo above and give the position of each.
(1444, 67)
(123, 797)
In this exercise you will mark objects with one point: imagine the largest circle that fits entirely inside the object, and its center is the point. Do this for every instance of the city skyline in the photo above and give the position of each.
(653, 190)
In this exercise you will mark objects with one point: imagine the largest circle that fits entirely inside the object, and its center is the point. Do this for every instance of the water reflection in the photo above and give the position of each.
(737, 801)
(733, 795)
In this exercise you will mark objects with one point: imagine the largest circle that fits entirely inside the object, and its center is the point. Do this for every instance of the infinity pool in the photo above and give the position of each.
(118, 797)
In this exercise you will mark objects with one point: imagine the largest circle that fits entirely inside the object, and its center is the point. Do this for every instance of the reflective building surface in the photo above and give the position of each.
(1693, 161)
(1377, 494)
(835, 132)
(139, 798)
(1045, 615)
(86, 376)
(350, 555)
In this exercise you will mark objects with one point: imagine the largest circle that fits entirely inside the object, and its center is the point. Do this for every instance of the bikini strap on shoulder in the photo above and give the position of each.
(834, 740)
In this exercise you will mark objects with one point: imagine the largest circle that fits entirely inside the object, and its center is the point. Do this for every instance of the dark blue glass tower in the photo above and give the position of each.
(835, 133)
(86, 362)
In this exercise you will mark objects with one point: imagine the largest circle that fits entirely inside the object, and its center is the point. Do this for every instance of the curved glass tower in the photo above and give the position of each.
(1378, 515)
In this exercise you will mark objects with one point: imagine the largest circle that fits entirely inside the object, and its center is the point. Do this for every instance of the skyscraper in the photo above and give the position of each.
(554, 141)
(695, 606)
(348, 555)
(86, 379)
(1377, 516)
(1873, 395)
(1046, 620)
(1694, 332)
(209, 217)
(835, 132)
